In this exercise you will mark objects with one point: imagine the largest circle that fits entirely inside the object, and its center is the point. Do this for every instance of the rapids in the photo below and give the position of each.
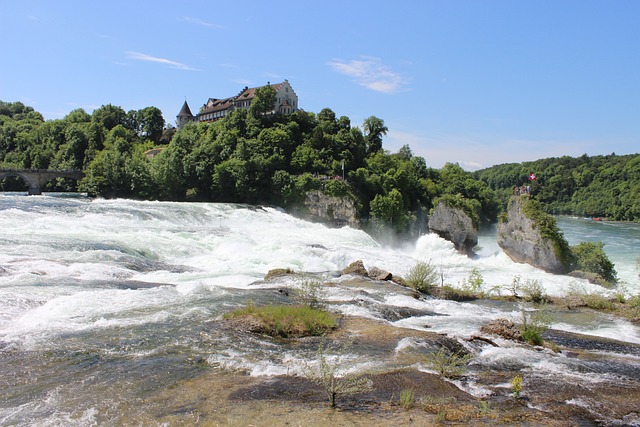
(100, 292)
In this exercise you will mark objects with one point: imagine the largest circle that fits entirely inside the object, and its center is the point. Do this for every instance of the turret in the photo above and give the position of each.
(184, 116)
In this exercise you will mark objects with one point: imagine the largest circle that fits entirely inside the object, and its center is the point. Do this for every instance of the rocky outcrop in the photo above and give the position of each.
(337, 211)
(455, 225)
(357, 268)
(530, 236)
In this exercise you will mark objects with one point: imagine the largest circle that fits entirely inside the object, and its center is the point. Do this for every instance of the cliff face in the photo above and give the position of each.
(522, 239)
(336, 211)
(455, 225)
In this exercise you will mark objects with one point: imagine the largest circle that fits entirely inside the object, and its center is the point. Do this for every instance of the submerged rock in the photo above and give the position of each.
(453, 224)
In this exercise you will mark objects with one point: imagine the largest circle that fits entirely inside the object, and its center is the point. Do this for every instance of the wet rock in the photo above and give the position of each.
(504, 328)
(278, 272)
(357, 268)
(393, 313)
(455, 225)
(378, 274)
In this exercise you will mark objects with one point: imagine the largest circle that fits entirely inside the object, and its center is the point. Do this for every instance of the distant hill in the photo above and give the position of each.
(598, 186)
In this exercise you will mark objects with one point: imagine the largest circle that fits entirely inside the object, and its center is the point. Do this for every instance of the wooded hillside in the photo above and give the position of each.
(598, 186)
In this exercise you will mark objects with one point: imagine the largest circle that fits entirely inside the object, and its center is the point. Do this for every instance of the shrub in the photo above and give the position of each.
(287, 321)
(474, 282)
(326, 375)
(309, 292)
(597, 302)
(449, 364)
(422, 277)
(533, 291)
(590, 257)
(533, 325)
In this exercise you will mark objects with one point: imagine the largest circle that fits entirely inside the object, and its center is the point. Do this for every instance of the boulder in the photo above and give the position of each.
(522, 239)
(378, 274)
(503, 328)
(332, 210)
(455, 225)
(357, 268)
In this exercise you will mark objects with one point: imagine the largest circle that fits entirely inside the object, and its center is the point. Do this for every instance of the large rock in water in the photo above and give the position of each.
(455, 225)
(523, 241)
(337, 211)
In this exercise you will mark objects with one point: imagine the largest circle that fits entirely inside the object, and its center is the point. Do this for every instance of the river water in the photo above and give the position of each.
(104, 302)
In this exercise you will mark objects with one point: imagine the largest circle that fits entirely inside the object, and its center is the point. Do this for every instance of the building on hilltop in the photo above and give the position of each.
(215, 109)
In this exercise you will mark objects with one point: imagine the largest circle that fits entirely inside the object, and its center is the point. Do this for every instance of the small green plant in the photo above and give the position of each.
(533, 291)
(449, 364)
(515, 286)
(422, 277)
(309, 292)
(516, 386)
(407, 398)
(484, 408)
(533, 324)
(474, 282)
(326, 373)
(597, 302)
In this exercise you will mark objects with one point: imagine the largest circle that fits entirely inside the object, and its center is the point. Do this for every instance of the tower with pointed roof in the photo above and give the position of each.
(184, 116)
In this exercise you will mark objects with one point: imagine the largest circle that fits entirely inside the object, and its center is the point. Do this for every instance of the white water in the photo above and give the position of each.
(58, 253)
(123, 279)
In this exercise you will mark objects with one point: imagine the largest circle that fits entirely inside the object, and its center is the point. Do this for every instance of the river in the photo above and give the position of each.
(103, 302)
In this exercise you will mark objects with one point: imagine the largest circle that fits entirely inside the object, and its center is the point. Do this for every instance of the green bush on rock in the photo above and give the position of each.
(285, 321)
(590, 257)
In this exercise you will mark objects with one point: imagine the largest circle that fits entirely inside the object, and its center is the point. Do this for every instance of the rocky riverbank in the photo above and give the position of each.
(597, 380)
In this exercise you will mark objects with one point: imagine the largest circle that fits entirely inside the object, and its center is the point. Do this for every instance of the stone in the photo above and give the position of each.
(378, 274)
(332, 210)
(504, 328)
(520, 239)
(357, 268)
(454, 225)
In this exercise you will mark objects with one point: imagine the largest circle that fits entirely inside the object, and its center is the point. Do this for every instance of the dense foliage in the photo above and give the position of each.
(247, 157)
(597, 186)
(590, 257)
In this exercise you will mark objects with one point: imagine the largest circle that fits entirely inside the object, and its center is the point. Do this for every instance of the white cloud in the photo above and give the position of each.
(197, 21)
(371, 73)
(144, 57)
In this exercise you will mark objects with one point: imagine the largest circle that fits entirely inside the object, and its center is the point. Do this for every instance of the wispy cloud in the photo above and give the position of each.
(371, 73)
(197, 21)
(144, 57)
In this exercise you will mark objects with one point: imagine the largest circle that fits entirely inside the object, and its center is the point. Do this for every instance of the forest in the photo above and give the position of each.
(247, 157)
(597, 186)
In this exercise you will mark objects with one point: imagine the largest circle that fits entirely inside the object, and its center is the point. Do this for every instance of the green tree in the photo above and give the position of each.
(264, 101)
(374, 129)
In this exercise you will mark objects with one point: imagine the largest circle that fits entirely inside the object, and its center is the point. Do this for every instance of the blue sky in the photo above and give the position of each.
(477, 82)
